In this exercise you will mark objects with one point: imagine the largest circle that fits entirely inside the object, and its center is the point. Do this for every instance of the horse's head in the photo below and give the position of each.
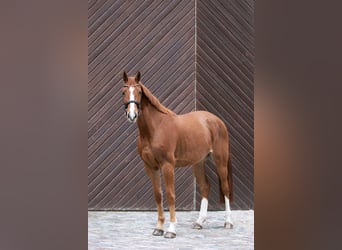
(132, 92)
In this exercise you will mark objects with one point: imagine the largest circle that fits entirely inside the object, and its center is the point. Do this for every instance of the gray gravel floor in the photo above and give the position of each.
(133, 230)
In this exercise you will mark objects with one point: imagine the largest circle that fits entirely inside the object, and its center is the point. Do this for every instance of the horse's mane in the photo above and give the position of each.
(154, 101)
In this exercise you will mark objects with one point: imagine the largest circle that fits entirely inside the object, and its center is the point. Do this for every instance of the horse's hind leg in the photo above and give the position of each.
(221, 160)
(202, 181)
(156, 183)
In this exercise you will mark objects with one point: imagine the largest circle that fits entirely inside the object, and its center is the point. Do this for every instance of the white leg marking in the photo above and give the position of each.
(131, 105)
(228, 218)
(172, 227)
(203, 212)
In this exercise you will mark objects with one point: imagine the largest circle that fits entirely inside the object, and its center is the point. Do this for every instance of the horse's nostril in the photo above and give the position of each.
(132, 116)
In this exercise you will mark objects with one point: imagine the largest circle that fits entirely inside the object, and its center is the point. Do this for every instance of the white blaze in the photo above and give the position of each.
(131, 105)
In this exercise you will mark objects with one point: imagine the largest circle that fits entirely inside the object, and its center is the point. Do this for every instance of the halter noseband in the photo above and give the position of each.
(136, 103)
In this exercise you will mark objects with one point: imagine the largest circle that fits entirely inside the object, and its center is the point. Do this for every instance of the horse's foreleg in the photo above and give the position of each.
(202, 181)
(156, 183)
(169, 180)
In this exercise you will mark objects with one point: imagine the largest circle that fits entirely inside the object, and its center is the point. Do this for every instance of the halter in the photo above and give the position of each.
(135, 102)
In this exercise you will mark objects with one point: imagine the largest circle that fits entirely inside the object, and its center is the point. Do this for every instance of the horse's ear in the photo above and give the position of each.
(125, 77)
(137, 77)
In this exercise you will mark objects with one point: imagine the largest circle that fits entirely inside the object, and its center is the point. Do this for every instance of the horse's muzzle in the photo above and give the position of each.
(132, 116)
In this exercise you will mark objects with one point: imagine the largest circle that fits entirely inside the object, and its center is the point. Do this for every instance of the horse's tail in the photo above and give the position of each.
(230, 181)
(230, 178)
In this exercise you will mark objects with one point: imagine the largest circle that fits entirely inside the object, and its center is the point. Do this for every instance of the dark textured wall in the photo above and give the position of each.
(215, 74)
(225, 87)
(156, 38)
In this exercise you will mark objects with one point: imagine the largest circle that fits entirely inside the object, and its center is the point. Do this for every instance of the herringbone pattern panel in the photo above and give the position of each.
(156, 38)
(216, 74)
(225, 62)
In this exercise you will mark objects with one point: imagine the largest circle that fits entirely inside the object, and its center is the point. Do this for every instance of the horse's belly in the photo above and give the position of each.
(193, 150)
(182, 163)
(192, 156)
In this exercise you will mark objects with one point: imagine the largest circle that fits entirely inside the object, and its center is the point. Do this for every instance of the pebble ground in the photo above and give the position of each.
(133, 230)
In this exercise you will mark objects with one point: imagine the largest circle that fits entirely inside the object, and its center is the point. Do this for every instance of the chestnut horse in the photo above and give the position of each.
(167, 140)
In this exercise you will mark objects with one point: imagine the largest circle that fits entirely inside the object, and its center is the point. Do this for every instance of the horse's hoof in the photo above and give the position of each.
(158, 232)
(197, 226)
(169, 235)
(228, 225)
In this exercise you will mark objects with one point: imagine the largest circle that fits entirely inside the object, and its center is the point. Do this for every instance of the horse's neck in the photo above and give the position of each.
(149, 119)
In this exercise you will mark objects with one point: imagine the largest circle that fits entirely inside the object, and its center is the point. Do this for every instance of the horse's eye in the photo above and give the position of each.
(140, 92)
(123, 93)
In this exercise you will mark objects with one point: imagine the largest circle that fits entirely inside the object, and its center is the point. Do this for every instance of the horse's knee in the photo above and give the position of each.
(170, 196)
(158, 198)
